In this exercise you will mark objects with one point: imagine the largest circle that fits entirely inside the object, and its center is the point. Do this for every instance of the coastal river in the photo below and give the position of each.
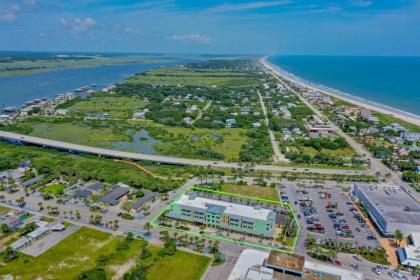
(16, 90)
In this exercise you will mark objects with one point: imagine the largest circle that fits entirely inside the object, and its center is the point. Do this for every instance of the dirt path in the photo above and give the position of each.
(122, 269)
(4, 241)
(200, 113)
(142, 168)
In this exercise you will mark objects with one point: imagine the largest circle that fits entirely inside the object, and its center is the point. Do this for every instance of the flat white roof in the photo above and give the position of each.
(38, 232)
(20, 242)
(333, 270)
(412, 255)
(231, 208)
(415, 237)
(249, 258)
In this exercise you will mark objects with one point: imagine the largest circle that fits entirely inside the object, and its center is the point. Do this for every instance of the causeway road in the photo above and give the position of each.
(101, 152)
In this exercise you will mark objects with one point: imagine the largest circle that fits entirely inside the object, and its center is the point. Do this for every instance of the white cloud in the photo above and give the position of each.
(8, 13)
(228, 7)
(193, 37)
(78, 25)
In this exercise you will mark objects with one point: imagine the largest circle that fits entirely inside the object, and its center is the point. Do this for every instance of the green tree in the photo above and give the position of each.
(399, 236)
(10, 255)
(138, 273)
(93, 274)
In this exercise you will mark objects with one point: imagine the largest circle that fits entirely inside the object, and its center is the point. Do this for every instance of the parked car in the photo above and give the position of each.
(376, 270)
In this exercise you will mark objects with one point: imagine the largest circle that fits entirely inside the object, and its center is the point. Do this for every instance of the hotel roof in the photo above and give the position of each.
(230, 208)
(291, 262)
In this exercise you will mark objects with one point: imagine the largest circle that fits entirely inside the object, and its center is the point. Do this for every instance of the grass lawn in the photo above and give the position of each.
(80, 251)
(79, 134)
(181, 266)
(310, 151)
(252, 191)
(345, 152)
(3, 209)
(189, 77)
(54, 189)
(66, 260)
(115, 106)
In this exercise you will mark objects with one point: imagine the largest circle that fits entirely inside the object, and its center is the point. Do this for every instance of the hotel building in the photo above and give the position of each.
(221, 214)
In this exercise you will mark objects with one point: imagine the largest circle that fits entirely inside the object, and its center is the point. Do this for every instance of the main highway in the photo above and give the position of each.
(76, 148)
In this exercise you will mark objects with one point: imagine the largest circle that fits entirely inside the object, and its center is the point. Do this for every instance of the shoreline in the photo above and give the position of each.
(361, 102)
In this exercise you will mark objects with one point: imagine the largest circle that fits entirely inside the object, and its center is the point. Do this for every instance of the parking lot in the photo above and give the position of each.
(326, 213)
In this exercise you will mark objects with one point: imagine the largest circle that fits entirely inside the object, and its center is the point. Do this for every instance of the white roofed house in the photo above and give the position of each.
(411, 136)
(139, 115)
(396, 127)
(230, 123)
(188, 121)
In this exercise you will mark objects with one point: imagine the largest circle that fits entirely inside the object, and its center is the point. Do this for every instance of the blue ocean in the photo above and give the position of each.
(391, 81)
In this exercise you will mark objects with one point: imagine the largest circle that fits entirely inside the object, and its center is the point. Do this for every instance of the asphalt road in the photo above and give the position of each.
(76, 148)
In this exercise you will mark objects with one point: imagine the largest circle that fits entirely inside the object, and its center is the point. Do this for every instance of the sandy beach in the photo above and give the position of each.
(405, 116)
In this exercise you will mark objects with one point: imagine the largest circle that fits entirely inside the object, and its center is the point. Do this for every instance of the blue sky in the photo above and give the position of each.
(333, 27)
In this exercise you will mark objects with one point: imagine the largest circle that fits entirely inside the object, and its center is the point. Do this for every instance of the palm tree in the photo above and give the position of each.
(387, 176)
(116, 226)
(399, 236)
(147, 227)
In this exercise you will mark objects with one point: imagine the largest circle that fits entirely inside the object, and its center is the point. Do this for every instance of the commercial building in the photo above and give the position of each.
(21, 243)
(260, 265)
(231, 216)
(114, 196)
(389, 207)
(43, 228)
(410, 255)
(148, 196)
(95, 187)
(32, 181)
